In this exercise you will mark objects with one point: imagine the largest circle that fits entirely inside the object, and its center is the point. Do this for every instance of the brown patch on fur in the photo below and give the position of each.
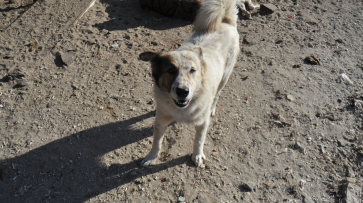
(190, 77)
(203, 66)
(164, 71)
(228, 21)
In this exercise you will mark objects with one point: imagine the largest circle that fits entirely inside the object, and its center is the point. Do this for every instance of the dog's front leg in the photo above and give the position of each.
(160, 126)
(201, 131)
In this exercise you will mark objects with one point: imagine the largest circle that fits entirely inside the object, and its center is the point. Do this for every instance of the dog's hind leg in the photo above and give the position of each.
(201, 132)
(160, 126)
(220, 87)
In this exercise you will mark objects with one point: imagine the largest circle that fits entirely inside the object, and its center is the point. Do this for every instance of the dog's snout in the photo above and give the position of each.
(182, 92)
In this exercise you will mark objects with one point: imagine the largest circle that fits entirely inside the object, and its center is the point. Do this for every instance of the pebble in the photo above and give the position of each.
(1, 106)
(290, 97)
(68, 57)
(115, 45)
(322, 148)
(248, 186)
(298, 145)
(350, 172)
(21, 191)
(342, 142)
(181, 199)
(312, 60)
(345, 77)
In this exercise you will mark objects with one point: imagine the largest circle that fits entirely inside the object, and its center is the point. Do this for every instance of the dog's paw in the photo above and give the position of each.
(198, 159)
(148, 161)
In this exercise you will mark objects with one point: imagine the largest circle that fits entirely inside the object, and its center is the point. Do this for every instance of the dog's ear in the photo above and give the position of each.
(148, 56)
(198, 51)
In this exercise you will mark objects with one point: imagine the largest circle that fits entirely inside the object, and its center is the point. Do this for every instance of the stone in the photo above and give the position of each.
(268, 8)
(350, 193)
(342, 142)
(312, 60)
(68, 57)
(248, 186)
(350, 172)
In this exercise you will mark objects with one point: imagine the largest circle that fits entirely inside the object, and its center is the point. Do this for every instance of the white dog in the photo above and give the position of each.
(188, 81)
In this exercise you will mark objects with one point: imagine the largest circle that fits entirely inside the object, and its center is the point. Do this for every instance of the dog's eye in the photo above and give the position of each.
(192, 70)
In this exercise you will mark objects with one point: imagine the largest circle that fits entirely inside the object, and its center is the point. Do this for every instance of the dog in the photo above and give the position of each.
(189, 80)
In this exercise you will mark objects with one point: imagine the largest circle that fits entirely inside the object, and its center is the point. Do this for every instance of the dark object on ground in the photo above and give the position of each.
(312, 60)
(185, 9)
(268, 8)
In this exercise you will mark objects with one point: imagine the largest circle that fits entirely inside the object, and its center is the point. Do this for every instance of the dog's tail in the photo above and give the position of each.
(213, 13)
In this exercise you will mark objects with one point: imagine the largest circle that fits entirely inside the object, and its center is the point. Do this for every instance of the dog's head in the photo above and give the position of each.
(178, 73)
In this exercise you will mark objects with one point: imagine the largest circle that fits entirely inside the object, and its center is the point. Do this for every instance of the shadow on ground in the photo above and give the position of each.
(128, 14)
(71, 170)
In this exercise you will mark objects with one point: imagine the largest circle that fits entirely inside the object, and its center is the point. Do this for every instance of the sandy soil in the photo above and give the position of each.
(76, 107)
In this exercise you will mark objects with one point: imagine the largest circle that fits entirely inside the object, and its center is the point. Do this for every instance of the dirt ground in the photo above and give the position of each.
(76, 106)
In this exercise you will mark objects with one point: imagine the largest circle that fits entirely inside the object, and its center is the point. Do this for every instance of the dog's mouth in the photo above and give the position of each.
(181, 103)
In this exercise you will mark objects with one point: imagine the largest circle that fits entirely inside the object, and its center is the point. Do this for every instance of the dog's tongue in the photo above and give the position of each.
(183, 101)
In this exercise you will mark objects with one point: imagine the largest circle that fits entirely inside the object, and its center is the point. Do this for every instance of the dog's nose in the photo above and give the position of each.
(182, 92)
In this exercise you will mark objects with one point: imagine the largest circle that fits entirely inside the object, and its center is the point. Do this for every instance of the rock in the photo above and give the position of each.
(345, 77)
(248, 186)
(68, 57)
(350, 172)
(215, 154)
(181, 199)
(339, 40)
(342, 142)
(298, 145)
(21, 191)
(350, 193)
(322, 148)
(290, 97)
(312, 60)
(296, 66)
(268, 8)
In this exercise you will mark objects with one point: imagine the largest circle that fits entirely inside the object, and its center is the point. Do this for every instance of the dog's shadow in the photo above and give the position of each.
(71, 169)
